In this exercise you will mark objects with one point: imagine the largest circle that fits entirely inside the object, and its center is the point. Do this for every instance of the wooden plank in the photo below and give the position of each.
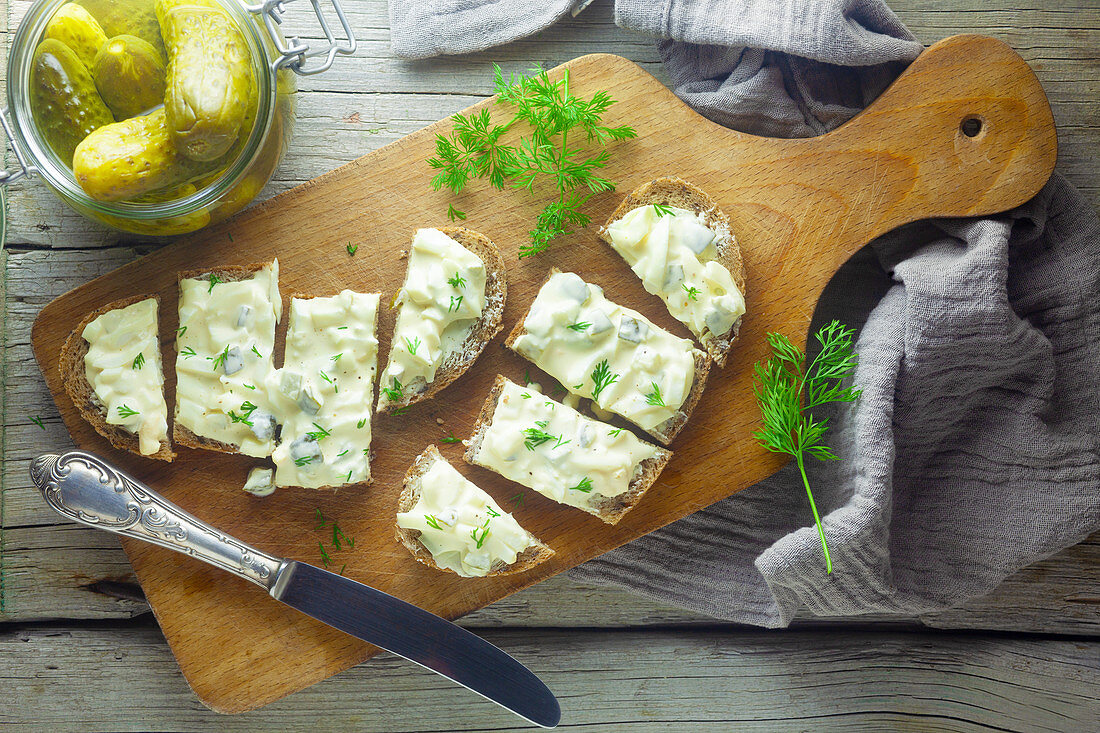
(70, 572)
(1058, 41)
(903, 159)
(122, 677)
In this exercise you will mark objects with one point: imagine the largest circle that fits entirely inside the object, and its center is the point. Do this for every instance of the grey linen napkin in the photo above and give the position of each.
(973, 451)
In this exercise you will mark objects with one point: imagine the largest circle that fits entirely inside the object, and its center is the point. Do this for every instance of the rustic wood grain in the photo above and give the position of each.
(799, 207)
(342, 114)
(698, 680)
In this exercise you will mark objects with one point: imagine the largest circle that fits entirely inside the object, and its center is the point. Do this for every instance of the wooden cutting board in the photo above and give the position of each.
(799, 208)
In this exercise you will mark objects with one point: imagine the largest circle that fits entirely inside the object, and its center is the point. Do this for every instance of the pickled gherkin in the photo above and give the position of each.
(210, 77)
(63, 99)
(131, 158)
(130, 76)
(76, 28)
(127, 17)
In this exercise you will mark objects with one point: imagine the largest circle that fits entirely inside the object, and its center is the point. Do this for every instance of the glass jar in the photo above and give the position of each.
(206, 198)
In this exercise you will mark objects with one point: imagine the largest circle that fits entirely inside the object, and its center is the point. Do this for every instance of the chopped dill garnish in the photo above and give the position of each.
(602, 378)
(662, 210)
(37, 420)
(585, 485)
(413, 345)
(692, 292)
(393, 393)
(352, 249)
(457, 281)
(126, 411)
(219, 360)
(450, 438)
(432, 522)
(654, 397)
(579, 326)
(139, 361)
(319, 434)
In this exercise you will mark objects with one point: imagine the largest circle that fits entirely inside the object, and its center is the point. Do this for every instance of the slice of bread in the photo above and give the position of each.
(667, 430)
(535, 554)
(74, 376)
(609, 509)
(481, 332)
(682, 195)
(233, 273)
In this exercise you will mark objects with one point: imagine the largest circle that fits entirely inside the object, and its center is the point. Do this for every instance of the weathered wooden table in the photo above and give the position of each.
(79, 650)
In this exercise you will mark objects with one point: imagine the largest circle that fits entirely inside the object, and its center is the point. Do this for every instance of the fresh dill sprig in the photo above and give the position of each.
(579, 326)
(654, 397)
(692, 292)
(395, 392)
(519, 498)
(535, 437)
(303, 460)
(432, 521)
(319, 434)
(788, 391)
(187, 352)
(214, 280)
(614, 432)
(456, 303)
(484, 530)
(556, 118)
(457, 281)
(413, 345)
(256, 351)
(454, 214)
(491, 512)
(127, 411)
(584, 486)
(352, 249)
(602, 378)
(219, 360)
(37, 420)
(450, 438)
(139, 361)
(180, 331)
(359, 425)
(662, 210)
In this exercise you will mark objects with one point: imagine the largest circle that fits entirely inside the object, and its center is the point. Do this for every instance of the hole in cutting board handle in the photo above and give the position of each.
(971, 126)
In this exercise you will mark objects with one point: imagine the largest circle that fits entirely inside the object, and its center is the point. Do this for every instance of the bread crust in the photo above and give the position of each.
(669, 429)
(80, 390)
(610, 509)
(484, 330)
(534, 555)
(180, 434)
(677, 192)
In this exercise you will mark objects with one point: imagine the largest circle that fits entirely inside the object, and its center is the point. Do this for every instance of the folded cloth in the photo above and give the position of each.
(422, 28)
(973, 450)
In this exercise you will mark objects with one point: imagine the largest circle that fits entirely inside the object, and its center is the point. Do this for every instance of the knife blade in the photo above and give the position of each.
(91, 491)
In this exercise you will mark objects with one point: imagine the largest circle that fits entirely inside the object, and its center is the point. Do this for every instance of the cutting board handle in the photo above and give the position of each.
(966, 130)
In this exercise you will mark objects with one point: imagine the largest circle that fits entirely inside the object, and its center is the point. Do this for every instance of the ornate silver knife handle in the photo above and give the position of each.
(88, 490)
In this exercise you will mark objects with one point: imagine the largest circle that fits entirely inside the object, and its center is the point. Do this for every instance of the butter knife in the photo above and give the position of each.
(89, 490)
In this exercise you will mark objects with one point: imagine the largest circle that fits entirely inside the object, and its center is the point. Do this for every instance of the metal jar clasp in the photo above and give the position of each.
(295, 54)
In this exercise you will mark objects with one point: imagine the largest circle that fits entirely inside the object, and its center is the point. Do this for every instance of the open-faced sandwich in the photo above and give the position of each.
(611, 355)
(325, 390)
(111, 368)
(224, 347)
(555, 450)
(679, 243)
(448, 523)
(449, 307)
